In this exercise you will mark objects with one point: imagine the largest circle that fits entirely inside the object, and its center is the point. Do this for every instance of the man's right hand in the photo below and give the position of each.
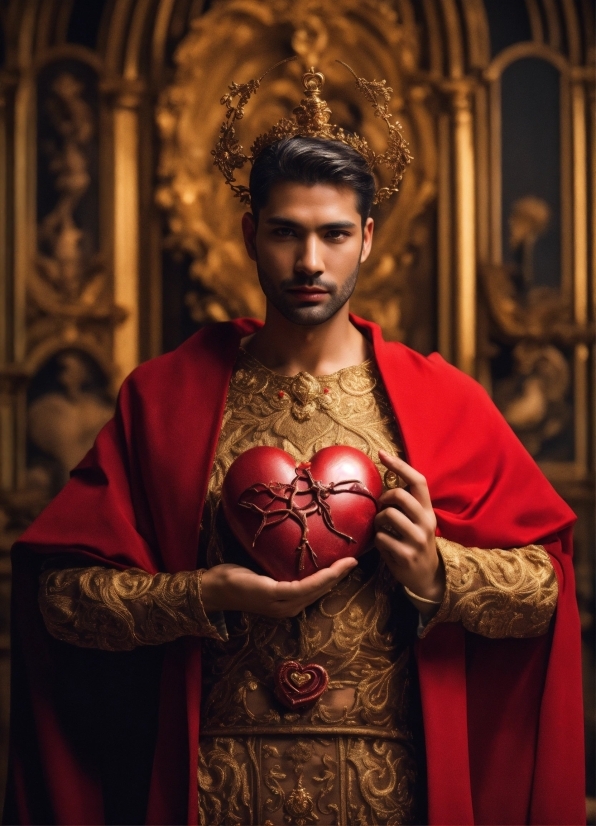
(229, 587)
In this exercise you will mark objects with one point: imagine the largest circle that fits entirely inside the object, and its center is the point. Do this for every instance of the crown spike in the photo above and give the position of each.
(313, 82)
(311, 120)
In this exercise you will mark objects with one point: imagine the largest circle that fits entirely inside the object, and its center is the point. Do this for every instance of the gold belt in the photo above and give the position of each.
(279, 731)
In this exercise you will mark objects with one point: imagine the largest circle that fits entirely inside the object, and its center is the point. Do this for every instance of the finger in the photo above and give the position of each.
(402, 557)
(315, 584)
(325, 577)
(335, 574)
(301, 599)
(297, 603)
(396, 524)
(403, 499)
(415, 480)
(395, 553)
(396, 521)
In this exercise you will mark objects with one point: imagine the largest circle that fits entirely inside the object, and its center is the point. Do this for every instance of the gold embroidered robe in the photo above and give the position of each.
(356, 756)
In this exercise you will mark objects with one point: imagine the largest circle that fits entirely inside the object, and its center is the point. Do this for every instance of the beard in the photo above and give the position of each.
(306, 315)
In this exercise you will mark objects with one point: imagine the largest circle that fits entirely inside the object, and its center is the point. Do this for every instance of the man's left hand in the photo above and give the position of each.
(405, 537)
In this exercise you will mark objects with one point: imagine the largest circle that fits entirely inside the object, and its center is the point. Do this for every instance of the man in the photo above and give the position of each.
(138, 571)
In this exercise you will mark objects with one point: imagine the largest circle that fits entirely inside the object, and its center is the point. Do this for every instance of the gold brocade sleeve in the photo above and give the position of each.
(118, 610)
(497, 593)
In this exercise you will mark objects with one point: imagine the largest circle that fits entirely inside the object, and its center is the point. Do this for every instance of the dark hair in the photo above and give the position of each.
(311, 161)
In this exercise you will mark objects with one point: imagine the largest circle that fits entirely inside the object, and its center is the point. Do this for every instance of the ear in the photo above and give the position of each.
(367, 236)
(249, 231)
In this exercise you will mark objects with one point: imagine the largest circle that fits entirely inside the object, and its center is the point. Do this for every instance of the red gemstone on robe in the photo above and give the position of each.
(299, 685)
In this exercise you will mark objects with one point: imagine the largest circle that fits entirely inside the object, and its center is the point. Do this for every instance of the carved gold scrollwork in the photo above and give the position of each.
(537, 323)
(204, 221)
(71, 313)
(68, 292)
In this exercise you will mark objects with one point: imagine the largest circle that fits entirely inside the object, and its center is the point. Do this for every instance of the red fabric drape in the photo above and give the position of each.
(503, 718)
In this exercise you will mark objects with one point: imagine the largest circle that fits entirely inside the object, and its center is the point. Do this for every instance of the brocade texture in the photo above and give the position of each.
(117, 610)
(497, 593)
(353, 757)
(360, 757)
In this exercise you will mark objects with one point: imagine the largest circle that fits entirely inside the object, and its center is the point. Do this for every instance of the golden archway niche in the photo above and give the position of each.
(240, 39)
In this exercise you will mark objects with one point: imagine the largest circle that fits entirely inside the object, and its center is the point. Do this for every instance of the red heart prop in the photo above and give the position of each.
(299, 685)
(294, 519)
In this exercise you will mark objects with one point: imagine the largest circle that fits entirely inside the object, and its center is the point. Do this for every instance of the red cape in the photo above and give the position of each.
(503, 718)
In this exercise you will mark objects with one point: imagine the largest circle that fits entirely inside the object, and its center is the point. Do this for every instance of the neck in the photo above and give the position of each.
(320, 350)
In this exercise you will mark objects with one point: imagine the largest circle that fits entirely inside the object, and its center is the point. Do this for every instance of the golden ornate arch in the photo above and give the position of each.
(240, 39)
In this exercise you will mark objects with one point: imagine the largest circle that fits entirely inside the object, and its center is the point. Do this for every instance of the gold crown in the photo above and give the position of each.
(311, 120)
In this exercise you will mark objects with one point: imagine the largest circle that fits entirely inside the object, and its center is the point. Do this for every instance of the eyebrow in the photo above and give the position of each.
(279, 220)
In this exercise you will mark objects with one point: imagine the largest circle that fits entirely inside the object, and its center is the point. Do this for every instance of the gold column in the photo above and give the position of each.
(6, 418)
(126, 227)
(24, 237)
(464, 210)
(4, 206)
(591, 132)
(445, 246)
(592, 178)
(580, 262)
(6, 447)
(17, 181)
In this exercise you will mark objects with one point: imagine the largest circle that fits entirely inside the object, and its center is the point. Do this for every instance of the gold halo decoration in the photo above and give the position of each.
(311, 120)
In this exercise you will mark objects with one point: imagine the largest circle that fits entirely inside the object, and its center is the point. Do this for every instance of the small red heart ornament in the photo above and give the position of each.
(299, 685)
(296, 518)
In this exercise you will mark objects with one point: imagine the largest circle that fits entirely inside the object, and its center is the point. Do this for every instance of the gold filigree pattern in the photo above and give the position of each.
(302, 414)
(311, 120)
(384, 780)
(310, 766)
(224, 780)
(118, 610)
(70, 300)
(497, 593)
(352, 758)
(349, 632)
(347, 780)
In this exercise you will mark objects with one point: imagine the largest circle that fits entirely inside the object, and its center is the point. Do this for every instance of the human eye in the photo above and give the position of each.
(337, 234)
(283, 232)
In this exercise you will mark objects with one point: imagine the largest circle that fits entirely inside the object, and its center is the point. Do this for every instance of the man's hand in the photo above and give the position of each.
(234, 588)
(406, 534)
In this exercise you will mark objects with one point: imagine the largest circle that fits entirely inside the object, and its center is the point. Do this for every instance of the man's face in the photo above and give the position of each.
(308, 247)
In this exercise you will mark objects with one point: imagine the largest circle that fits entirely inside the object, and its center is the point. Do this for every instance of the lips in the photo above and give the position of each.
(308, 292)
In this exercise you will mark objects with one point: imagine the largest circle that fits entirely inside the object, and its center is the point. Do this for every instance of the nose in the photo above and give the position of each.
(309, 262)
